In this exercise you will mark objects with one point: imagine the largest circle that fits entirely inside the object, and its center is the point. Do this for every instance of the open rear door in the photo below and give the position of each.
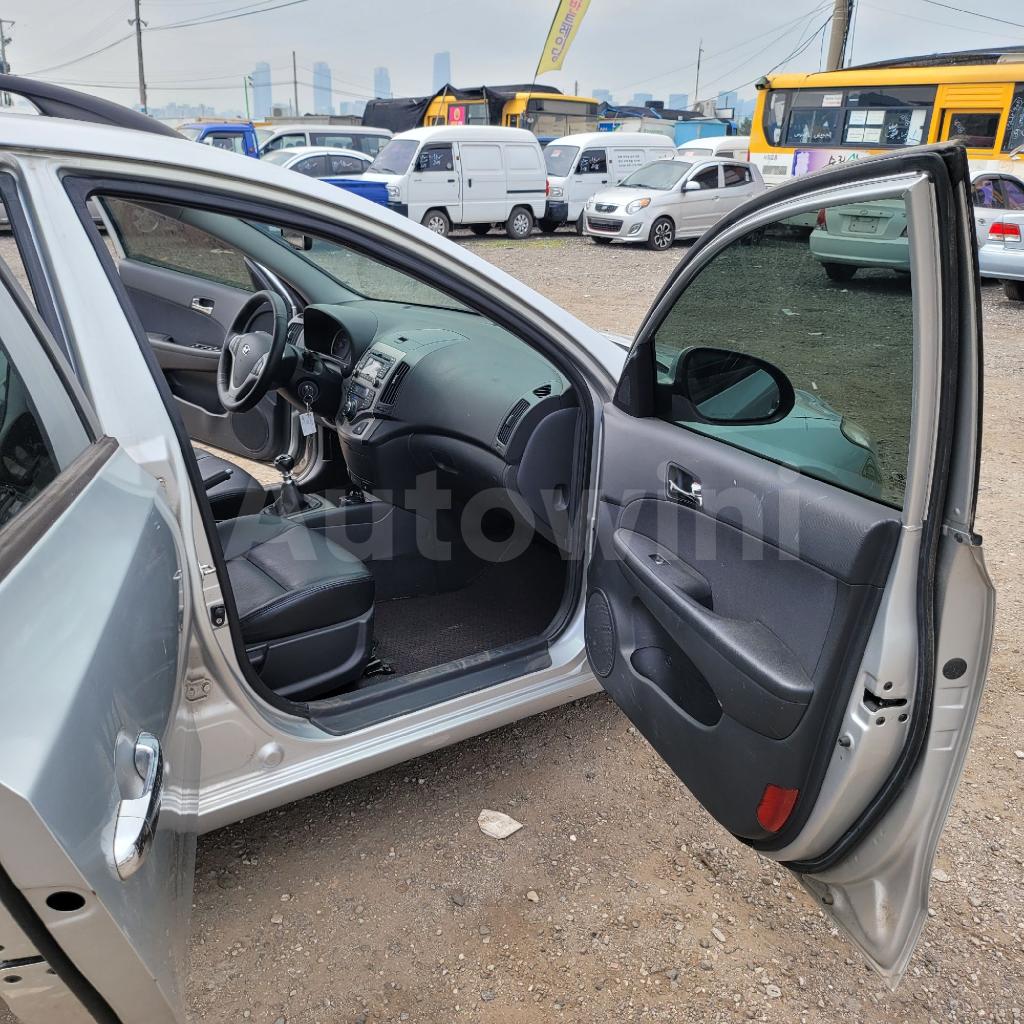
(787, 596)
(98, 754)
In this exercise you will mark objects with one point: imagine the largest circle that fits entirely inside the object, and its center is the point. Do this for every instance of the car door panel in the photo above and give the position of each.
(781, 607)
(187, 341)
(784, 637)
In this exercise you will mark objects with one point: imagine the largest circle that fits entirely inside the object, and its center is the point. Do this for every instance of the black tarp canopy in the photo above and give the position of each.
(399, 115)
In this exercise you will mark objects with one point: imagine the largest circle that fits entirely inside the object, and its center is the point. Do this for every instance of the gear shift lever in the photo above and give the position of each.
(290, 499)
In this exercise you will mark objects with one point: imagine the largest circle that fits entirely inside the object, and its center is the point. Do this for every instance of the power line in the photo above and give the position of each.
(974, 14)
(929, 21)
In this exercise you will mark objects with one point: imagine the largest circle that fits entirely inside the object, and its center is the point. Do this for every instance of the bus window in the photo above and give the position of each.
(1014, 137)
(817, 127)
(976, 131)
(775, 115)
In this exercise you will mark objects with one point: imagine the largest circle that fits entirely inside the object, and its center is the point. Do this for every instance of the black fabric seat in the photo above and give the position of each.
(239, 494)
(305, 604)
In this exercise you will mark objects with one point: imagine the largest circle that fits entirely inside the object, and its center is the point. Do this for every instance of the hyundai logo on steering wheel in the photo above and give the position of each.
(245, 350)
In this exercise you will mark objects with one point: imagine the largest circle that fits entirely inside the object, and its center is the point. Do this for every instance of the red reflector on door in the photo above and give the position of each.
(776, 806)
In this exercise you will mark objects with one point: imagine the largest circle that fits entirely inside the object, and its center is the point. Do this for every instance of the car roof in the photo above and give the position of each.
(469, 132)
(613, 139)
(355, 129)
(713, 142)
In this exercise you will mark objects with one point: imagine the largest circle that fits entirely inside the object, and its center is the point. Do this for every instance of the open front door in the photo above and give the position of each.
(98, 755)
(787, 596)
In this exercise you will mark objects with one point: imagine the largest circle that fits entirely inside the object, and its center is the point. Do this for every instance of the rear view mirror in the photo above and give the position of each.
(730, 388)
(691, 186)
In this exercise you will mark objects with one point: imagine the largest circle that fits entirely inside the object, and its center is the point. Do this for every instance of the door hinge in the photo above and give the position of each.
(968, 537)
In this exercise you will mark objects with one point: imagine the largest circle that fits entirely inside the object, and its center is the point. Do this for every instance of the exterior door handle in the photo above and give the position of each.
(451, 181)
(469, 182)
(137, 816)
(201, 305)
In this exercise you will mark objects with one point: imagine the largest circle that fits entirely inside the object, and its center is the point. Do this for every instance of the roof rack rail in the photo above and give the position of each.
(57, 101)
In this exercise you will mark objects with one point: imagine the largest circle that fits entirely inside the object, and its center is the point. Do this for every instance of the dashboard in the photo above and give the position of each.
(414, 390)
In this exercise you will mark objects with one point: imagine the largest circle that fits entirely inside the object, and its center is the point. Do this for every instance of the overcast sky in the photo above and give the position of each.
(648, 47)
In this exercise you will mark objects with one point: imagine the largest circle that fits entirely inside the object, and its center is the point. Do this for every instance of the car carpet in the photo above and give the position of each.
(507, 602)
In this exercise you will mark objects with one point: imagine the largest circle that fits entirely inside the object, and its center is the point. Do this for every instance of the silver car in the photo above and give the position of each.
(999, 221)
(484, 509)
(670, 199)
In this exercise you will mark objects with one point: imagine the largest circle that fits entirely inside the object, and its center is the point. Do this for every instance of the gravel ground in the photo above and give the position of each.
(620, 900)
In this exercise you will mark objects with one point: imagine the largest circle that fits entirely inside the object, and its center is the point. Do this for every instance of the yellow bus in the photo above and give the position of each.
(543, 113)
(804, 122)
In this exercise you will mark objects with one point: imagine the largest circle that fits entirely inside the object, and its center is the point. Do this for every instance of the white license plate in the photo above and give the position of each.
(863, 225)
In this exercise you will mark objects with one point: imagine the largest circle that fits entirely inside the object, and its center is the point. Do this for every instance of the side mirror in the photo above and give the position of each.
(718, 386)
(297, 240)
(691, 186)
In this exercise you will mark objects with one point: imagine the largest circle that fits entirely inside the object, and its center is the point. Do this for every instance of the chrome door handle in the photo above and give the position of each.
(201, 305)
(137, 816)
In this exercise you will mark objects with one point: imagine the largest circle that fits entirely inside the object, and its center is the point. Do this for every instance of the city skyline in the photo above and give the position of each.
(442, 69)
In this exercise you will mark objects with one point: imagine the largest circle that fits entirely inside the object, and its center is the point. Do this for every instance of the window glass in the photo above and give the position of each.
(814, 127)
(1013, 193)
(593, 161)
(662, 174)
(834, 314)
(1014, 134)
(395, 157)
(286, 142)
(223, 140)
(164, 239)
(987, 193)
(977, 131)
(735, 175)
(27, 460)
(559, 159)
(435, 158)
(312, 166)
(337, 139)
(775, 107)
(340, 164)
(371, 145)
(708, 178)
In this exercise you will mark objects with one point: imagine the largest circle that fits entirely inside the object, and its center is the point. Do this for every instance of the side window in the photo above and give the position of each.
(370, 144)
(435, 158)
(708, 178)
(27, 460)
(312, 166)
(733, 175)
(223, 140)
(166, 241)
(1013, 192)
(985, 192)
(331, 139)
(832, 314)
(338, 164)
(976, 131)
(1014, 136)
(593, 161)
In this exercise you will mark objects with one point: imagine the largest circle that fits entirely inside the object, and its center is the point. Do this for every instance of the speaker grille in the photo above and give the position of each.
(599, 629)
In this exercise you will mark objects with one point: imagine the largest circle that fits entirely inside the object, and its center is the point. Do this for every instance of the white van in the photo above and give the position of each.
(474, 175)
(338, 136)
(580, 165)
(724, 147)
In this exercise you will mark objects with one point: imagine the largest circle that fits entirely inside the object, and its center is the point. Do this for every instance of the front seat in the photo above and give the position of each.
(305, 605)
(232, 492)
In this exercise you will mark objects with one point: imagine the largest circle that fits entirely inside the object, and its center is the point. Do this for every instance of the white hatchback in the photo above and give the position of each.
(670, 199)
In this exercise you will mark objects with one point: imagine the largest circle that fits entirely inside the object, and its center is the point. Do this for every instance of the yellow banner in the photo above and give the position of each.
(563, 32)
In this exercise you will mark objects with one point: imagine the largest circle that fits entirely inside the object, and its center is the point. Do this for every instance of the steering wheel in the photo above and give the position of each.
(250, 360)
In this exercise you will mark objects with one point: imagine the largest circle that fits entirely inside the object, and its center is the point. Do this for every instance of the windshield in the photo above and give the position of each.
(395, 157)
(559, 159)
(279, 156)
(662, 174)
(263, 134)
(190, 133)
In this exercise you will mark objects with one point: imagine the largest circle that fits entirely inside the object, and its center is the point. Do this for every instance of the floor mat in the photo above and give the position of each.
(508, 602)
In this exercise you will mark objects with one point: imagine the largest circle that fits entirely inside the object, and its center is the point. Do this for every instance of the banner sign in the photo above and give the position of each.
(563, 32)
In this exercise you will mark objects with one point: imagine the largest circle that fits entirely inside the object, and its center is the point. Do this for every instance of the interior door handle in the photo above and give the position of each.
(201, 305)
(137, 816)
(684, 487)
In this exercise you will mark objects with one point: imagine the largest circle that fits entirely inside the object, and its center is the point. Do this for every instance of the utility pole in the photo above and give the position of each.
(295, 83)
(5, 98)
(696, 84)
(841, 12)
(138, 23)
(246, 82)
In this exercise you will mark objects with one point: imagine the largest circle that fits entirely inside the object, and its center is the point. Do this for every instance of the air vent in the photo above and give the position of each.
(390, 392)
(543, 391)
(294, 330)
(510, 421)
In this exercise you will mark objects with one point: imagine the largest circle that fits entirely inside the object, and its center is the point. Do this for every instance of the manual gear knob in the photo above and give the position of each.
(284, 464)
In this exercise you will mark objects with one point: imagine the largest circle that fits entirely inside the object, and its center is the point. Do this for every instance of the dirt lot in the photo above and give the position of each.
(382, 901)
